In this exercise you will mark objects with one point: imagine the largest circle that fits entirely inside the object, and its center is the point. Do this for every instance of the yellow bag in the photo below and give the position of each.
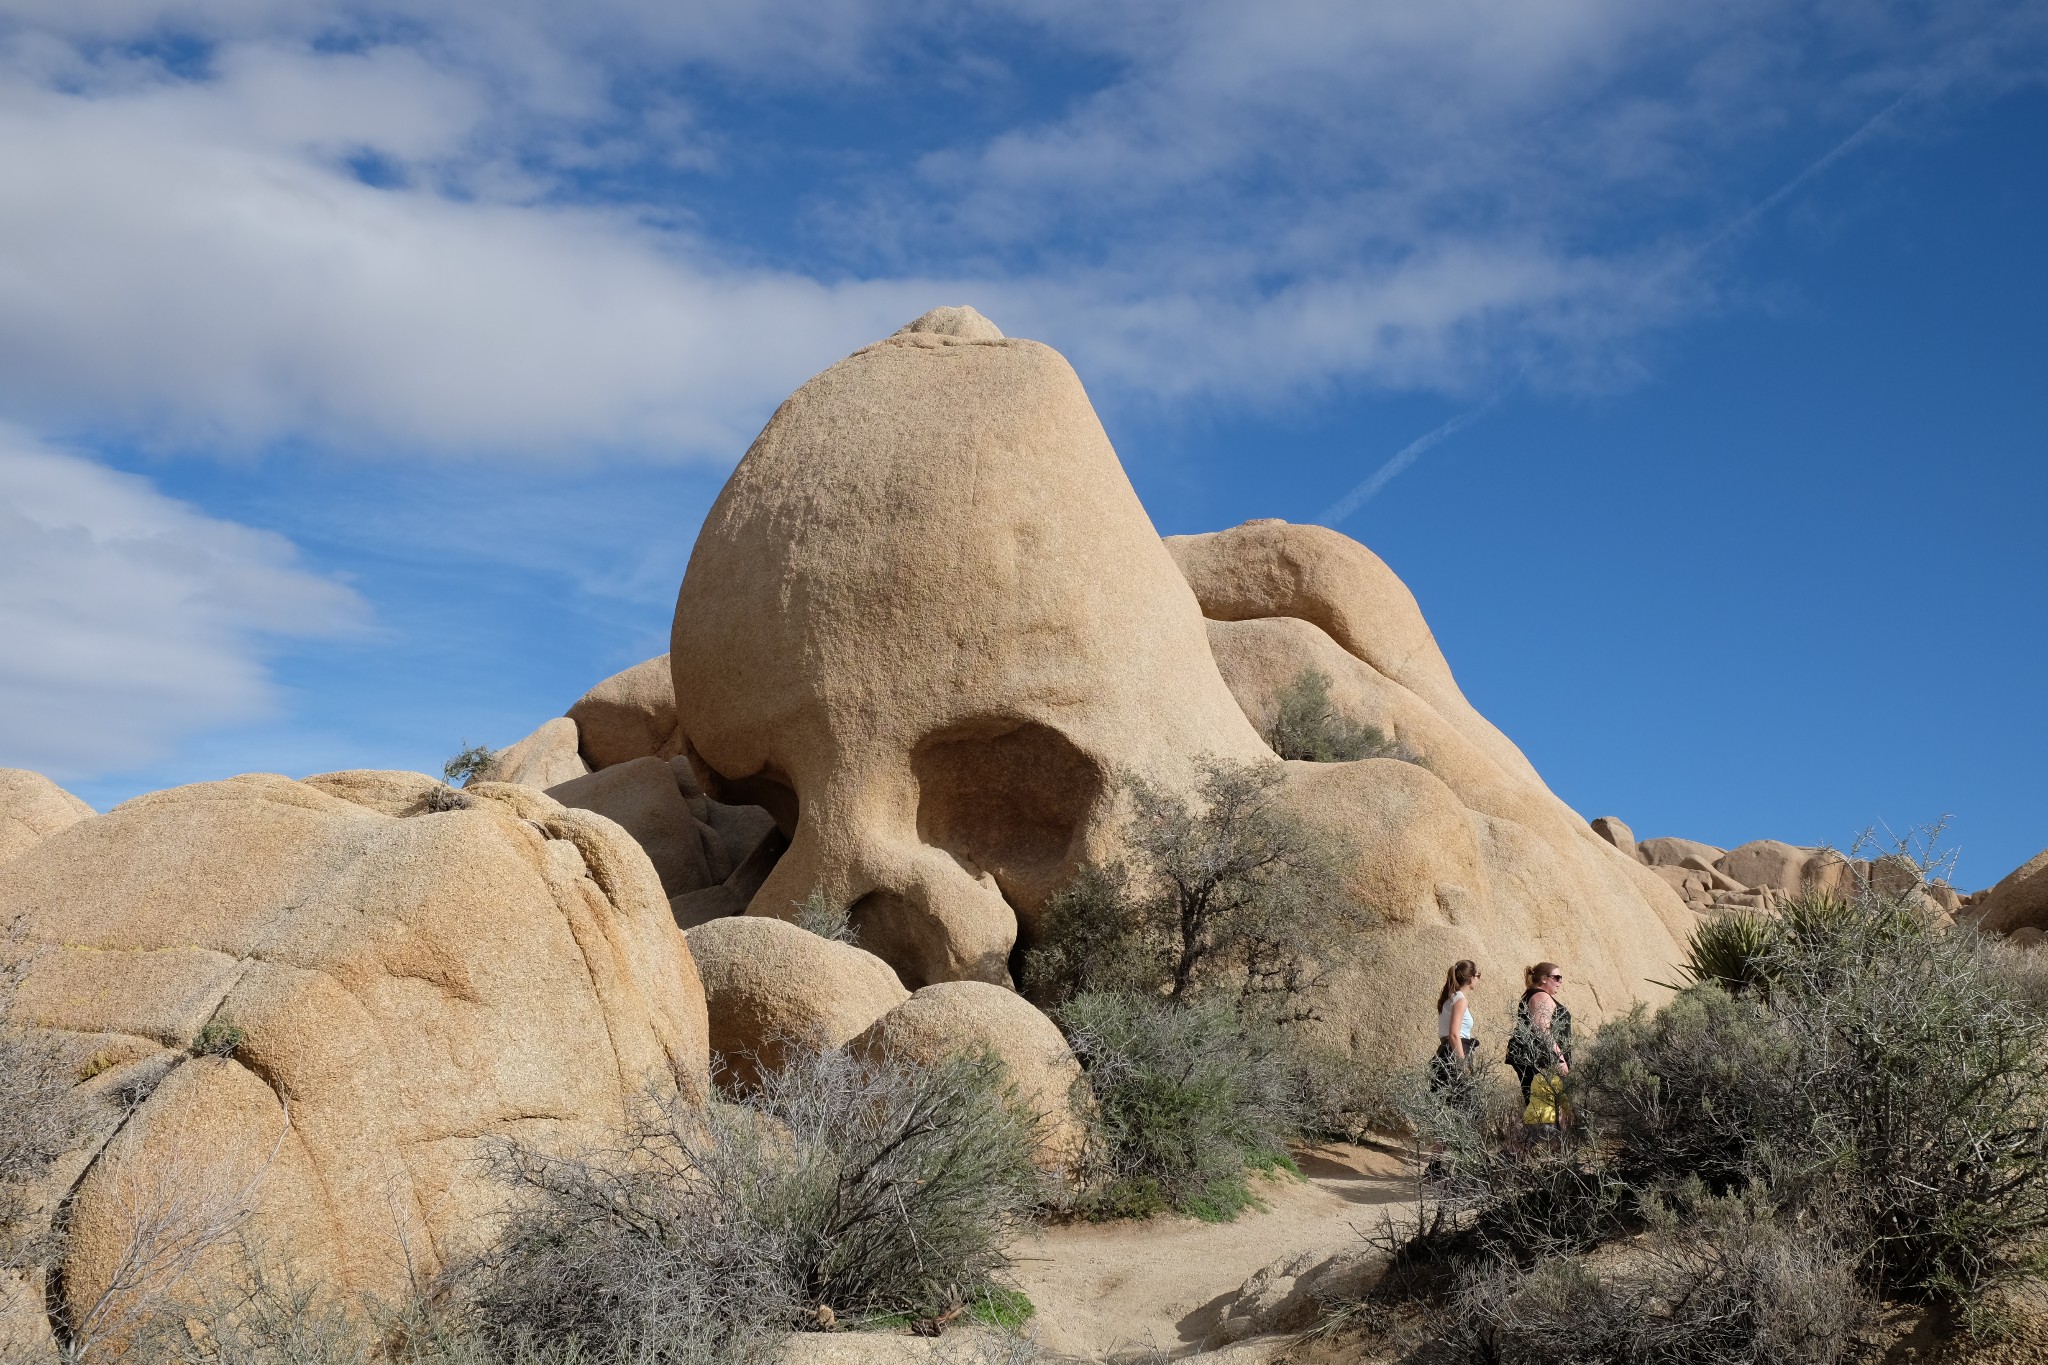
(1546, 1099)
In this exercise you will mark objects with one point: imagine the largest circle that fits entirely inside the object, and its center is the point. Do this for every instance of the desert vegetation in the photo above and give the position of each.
(1182, 978)
(1307, 724)
(1844, 1110)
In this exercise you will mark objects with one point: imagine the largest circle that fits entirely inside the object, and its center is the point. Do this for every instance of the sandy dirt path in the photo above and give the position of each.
(1164, 1284)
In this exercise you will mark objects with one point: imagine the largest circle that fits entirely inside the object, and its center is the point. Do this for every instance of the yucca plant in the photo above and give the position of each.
(1731, 951)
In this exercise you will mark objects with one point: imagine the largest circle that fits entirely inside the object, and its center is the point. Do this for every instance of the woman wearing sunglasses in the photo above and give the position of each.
(1542, 1040)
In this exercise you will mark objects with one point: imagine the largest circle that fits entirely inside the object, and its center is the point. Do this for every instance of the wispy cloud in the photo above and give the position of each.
(132, 619)
(377, 224)
(1407, 455)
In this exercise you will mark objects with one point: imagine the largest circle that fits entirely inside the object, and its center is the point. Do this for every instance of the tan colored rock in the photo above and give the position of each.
(2019, 901)
(640, 795)
(769, 985)
(1669, 852)
(1615, 832)
(404, 987)
(964, 1016)
(1788, 868)
(629, 715)
(1465, 852)
(32, 808)
(545, 758)
(925, 620)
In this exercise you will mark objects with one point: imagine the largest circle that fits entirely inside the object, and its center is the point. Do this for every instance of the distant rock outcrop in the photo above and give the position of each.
(32, 808)
(2019, 902)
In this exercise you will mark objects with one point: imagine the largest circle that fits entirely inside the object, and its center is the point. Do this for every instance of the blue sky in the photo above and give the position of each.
(366, 369)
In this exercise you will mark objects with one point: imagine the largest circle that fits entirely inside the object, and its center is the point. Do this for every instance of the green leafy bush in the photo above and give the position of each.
(1185, 1098)
(1729, 951)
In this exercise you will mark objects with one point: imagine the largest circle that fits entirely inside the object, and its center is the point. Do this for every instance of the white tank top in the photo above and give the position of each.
(1443, 1018)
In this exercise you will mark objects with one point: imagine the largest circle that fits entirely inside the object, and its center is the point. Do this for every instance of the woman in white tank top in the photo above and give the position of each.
(1456, 1049)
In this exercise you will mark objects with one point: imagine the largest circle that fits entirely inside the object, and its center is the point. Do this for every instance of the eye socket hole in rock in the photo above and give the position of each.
(1006, 797)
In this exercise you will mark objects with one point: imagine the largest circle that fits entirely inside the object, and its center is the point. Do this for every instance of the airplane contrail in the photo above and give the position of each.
(1402, 458)
(1408, 454)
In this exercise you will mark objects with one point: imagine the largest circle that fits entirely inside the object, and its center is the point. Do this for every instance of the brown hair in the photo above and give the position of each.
(1463, 973)
(1533, 977)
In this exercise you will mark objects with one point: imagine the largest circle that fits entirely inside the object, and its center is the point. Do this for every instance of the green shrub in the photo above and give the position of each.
(470, 762)
(1703, 1087)
(1185, 1097)
(871, 1187)
(1307, 725)
(218, 1037)
(1229, 891)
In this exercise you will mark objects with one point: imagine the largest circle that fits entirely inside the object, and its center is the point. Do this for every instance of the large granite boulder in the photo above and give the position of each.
(929, 627)
(323, 997)
(924, 623)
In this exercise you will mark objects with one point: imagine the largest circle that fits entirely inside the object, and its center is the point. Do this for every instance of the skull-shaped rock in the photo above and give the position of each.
(925, 624)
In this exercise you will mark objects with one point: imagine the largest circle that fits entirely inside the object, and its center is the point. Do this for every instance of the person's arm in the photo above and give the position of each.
(1542, 1009)
(1458, 1017)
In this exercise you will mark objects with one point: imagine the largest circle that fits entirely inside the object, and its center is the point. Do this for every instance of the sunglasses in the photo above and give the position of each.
(1555, 976)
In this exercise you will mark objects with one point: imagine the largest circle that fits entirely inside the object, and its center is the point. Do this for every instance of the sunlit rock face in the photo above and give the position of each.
(928, 625)
(924, 623)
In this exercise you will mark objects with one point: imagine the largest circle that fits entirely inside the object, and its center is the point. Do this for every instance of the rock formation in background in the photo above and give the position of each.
(327, 994)
(1760, 874)
(2017, 905)
(32, 808)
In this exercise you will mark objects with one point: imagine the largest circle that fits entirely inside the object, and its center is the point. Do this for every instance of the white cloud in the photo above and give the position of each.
(1251, 201)
(131, 619)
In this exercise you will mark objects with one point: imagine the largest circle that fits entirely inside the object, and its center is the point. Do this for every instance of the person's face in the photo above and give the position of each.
(1553, 982)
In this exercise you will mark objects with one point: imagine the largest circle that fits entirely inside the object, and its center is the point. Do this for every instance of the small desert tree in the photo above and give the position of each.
(1229, 889)
(471, 762)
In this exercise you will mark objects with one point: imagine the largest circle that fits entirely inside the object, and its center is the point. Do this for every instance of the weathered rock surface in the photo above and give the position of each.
(711, 857)
(2019, 901)
(32, 808)
(965, 1016)
(629, 715)
(1615, 832)
(543, 759)
(1464, 852)
(380, 974)
(769, 986)
(924, 621)
(1670, 852)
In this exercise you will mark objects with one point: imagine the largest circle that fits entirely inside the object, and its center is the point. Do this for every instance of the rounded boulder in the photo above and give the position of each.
(770, 986)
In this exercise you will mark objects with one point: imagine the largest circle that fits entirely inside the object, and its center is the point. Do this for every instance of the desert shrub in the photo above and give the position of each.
(1703, 1086)
(866, 1186)
(1923, 1083)
(1230, 890)
(469, 763)
(820, 915)
(1186, 1096)
(1307, 725)
(218, 1037)
(1754, 1294)
(1891, 1066)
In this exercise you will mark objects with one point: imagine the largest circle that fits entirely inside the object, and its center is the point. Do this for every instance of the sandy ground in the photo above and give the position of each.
(1104, 1289)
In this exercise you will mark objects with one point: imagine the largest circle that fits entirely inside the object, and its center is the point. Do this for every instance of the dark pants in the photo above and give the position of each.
(1446, 1071)
(1527, 1075)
